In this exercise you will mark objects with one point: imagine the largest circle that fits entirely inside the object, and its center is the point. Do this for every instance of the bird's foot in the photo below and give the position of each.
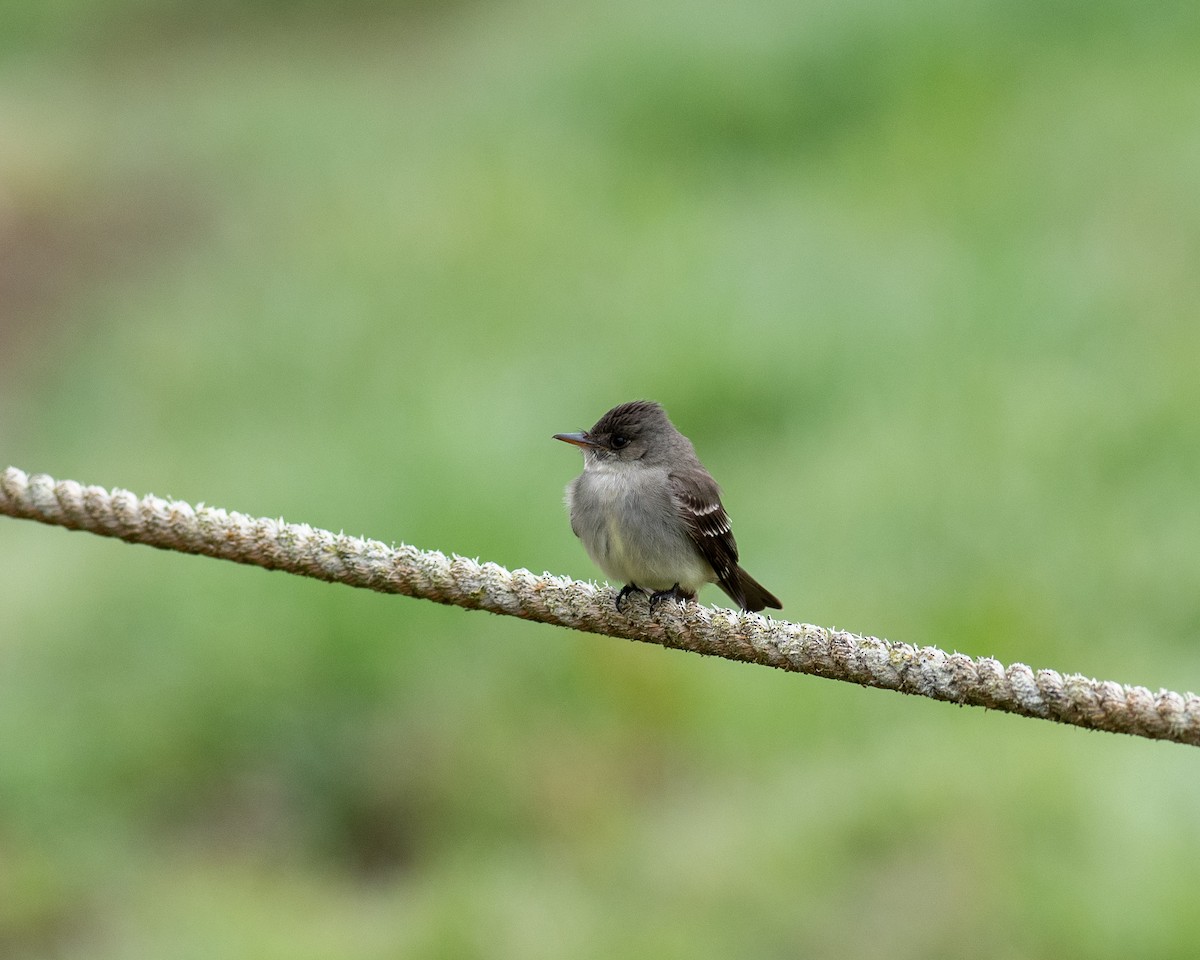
(625, 592)
(676, 593)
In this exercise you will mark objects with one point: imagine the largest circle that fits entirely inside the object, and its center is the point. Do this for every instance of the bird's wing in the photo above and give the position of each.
(698, 500)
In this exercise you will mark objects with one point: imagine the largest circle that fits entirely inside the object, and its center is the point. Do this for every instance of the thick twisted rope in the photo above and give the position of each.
(428, 574)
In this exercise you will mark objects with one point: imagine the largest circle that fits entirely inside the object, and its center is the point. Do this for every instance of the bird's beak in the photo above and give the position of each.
(579, 439)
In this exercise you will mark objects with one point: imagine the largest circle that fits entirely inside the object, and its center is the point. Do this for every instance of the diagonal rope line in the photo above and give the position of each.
(430, 575)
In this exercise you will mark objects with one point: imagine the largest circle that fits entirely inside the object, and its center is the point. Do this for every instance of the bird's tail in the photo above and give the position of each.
(752, 595)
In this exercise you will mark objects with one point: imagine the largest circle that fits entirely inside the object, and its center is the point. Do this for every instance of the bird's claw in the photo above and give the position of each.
(676, 593)
(625, 592)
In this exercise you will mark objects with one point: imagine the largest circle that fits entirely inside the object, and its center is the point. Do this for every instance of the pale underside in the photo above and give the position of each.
(633, 532)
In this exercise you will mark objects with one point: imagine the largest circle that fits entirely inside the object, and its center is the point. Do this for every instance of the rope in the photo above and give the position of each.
(431, 575)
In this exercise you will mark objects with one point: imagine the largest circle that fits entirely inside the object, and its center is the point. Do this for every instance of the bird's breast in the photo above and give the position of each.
(630, 527)
(611, 486)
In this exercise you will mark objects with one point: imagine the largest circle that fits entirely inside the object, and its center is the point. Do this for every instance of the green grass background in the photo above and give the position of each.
(919, 280)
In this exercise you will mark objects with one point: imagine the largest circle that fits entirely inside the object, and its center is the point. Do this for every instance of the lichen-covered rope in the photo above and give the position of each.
(803, 648)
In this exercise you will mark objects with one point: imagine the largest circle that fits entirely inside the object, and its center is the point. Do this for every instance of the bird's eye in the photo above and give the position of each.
(619, 441)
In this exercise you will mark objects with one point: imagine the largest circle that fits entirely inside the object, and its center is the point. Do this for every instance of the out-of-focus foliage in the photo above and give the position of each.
(918, 280)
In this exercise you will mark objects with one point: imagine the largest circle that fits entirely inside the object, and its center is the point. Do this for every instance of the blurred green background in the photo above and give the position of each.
(920, 281)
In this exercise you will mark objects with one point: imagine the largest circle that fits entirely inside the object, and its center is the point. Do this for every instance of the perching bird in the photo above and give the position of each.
(650, 515)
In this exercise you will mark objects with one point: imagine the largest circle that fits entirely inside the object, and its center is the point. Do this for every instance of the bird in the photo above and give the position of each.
(650, 515)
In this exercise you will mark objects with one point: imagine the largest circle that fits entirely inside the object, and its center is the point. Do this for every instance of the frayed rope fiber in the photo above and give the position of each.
(430, 575)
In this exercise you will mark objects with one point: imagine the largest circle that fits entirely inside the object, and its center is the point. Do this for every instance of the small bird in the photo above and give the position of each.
(650, 515)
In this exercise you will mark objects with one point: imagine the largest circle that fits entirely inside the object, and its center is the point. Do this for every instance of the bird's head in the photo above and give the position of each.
(633, 431)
